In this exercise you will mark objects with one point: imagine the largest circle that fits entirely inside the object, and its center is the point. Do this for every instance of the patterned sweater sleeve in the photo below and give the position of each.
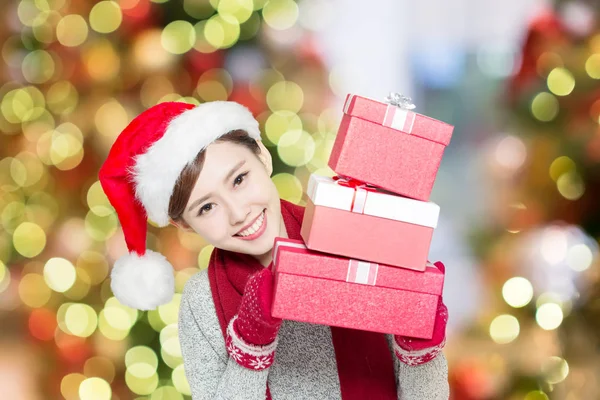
(428, 381)
(210, 372)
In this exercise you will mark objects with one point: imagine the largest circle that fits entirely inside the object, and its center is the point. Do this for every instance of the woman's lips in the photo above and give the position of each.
(260, 230)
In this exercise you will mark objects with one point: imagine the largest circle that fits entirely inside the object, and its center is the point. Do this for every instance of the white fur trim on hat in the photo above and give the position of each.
(156, 171)
(143, 282)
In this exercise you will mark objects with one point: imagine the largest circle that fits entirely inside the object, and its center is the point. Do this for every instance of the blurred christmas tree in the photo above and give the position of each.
(76, 72)
(540, 249)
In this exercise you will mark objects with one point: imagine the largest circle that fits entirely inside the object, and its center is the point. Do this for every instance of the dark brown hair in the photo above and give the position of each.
(185, 183)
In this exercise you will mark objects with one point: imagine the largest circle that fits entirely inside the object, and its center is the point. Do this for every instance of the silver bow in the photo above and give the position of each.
(398, 100)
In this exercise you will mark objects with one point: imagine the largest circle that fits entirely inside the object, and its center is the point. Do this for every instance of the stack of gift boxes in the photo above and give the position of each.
(362, 263)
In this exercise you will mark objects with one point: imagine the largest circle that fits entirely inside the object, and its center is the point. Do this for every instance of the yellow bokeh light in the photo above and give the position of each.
(221, 31)
(296, 148)
(517, 292)
(166, 392)
(561, 82)
(18, 172)
(95, 389)
(119, 316)
(288, 186)
(504, 329)
(140, 385)
(198, 9)
(169, 340)
(190, 240)
(170, 347)
(250, 28)
(169, 312)
(570, 186)
(154, 88)
(33, 291)
(580, 257)
(72, 30)
(4, 277)
(204, 256)
(547, 61)
(202, 45)
(544, 107)
(555, 370)
(59, 274)
(69, 386)
(102, 60)
(111, 118)
(109, 331)
(105, 17)
(149, 53)
(560, 166)
(592, 66)
(101, 367)
(31, 171)
(66, 151)
(34, 129)
(97, 201)
(155, 320)
(100, 228)
(23, 104)
(215, 84)
(29, 239)
(239, 9)
(81, 287)
(281, 122)
(43, 29)
(280, 14)
(536, 395)
(549, 316)
(141, 361)
(211, 91)
(285, 95)
(38, 66)
(27, 12)
(178, 37)
(180, 380)
(95, 264)
(80, 320)
(13, 215)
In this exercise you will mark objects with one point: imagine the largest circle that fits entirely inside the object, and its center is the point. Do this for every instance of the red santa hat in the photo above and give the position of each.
(139, 176)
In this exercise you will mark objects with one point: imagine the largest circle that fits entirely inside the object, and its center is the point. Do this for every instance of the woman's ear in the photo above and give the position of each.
(265, 157)
(181, 225)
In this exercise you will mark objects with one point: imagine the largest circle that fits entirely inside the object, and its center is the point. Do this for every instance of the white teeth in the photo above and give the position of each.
(254, 226)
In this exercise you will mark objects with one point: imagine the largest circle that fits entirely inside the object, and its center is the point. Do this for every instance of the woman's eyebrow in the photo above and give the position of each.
(227, 177)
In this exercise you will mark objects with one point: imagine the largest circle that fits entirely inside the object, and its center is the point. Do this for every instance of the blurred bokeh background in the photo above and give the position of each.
(519, 186)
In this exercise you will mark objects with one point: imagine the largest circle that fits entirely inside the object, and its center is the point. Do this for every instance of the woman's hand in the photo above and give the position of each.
(254, 322)
(415, 351)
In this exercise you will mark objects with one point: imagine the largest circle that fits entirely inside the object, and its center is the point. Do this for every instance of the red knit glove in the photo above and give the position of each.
(252, 333)
(254, 322)
(415, 351)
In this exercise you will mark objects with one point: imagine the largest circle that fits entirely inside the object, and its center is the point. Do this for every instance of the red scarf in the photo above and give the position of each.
(364, 360)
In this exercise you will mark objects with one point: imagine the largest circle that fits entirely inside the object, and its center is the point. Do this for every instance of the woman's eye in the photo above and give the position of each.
(240, 178)
(205, 208)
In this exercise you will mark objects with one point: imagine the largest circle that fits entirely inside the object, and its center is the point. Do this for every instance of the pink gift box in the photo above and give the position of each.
(324, 289)
(368, 224)
(389, 147)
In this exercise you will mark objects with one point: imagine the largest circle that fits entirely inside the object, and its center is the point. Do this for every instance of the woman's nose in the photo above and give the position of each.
(238, 213)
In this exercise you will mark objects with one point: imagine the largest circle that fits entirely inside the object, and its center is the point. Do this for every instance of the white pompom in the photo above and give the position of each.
(143, 283)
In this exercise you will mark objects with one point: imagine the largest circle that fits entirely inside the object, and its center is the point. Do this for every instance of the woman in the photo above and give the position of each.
(205, 169)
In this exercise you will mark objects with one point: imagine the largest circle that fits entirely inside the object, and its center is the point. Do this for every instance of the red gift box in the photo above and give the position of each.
(366, 223)
(324, 289)
(389, 147)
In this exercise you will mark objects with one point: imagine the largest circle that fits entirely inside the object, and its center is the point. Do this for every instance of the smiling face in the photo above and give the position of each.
(234, 205)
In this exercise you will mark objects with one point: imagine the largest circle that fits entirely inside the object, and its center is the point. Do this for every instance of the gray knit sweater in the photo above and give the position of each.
(304, 365)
